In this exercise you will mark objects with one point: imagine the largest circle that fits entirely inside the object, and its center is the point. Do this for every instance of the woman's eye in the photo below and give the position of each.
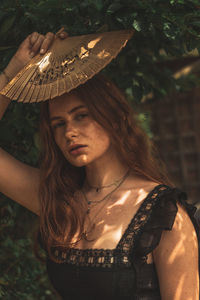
(81, 116)
(60, 124)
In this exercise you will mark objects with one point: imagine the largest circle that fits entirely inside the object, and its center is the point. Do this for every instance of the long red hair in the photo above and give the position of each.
(60, 215)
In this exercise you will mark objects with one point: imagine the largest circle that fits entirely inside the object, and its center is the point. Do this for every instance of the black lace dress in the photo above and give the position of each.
(122, 273)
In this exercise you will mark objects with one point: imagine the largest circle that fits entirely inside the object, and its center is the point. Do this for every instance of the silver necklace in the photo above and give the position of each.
(85, 233)
(95, 202)
(98, 188)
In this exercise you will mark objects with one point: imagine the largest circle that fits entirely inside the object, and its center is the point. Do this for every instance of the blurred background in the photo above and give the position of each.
(159, 72)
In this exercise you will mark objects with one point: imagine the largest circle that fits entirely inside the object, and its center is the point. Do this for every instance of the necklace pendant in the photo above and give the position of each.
(84, 235)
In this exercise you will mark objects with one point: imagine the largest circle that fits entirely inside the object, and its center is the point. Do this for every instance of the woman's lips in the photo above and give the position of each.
(77, 150)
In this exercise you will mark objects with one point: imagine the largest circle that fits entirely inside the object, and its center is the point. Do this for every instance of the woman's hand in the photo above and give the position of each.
(34, 43)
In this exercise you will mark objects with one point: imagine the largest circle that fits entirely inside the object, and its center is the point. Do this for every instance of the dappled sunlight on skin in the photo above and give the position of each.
(180, 287)
(179, 248)
(114, 219)
(109, 233)
(177, 255)
(141, 195)
(100, 222)
(125, 196)
(121, 201)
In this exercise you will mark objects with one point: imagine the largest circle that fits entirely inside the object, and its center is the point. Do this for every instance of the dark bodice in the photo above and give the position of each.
(122, 273)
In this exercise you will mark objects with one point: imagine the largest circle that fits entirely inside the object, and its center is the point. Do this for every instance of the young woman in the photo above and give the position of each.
(112, 225)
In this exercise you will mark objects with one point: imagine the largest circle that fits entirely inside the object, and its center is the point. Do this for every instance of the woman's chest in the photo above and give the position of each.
(108, 224)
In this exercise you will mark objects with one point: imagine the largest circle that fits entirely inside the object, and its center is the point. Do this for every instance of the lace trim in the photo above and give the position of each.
(105, 258)
(142, 216)
(120, 256)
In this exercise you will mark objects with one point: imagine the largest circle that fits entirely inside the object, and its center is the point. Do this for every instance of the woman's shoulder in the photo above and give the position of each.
(176, 255)
(139, 182)
(142, 186)
(167, 212)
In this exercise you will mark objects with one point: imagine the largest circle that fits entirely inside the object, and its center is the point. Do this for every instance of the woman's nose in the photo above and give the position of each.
(70, 131)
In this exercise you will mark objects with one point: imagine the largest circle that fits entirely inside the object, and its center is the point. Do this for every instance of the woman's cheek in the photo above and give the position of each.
(59, 142)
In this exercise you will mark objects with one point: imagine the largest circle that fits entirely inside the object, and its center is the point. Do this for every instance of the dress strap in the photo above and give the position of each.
(142, 217)
(157, 213)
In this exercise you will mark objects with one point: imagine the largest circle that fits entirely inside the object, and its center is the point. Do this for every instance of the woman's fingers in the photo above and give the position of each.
(41, 43)
(33, 37)
(63, 35)
(31, 46)
(37, 44)
(48, 39)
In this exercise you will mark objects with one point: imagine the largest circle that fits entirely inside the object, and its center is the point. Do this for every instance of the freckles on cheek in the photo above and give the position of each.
(100, 136)
(96, 129)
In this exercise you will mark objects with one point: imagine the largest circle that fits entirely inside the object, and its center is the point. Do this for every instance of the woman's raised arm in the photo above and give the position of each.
(19, 181)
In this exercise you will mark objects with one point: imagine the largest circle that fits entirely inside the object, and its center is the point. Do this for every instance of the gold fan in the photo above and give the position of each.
(67, 64)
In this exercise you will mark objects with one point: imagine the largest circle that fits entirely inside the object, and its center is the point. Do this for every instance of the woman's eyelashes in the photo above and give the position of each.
(77, 117)
(81, 116)
(58, 124)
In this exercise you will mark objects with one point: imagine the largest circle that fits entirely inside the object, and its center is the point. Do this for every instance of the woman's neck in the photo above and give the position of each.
(106, 170)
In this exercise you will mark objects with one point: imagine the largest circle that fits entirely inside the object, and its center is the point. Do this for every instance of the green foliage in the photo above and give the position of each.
(163, 29)
(22, 276)
(172, 26)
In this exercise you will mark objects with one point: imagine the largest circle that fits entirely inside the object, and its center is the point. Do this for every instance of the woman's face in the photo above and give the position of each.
(73, 125)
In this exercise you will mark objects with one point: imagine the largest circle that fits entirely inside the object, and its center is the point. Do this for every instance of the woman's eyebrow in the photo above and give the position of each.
(70, 112)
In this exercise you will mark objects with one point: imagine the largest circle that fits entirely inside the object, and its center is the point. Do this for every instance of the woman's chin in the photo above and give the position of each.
(79, 161)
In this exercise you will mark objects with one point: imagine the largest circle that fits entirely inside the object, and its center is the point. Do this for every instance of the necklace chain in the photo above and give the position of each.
(98, 188)
(95, 202)
(84, 234)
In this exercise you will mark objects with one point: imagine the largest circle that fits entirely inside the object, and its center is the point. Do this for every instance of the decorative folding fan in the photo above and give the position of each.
(67, 64)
